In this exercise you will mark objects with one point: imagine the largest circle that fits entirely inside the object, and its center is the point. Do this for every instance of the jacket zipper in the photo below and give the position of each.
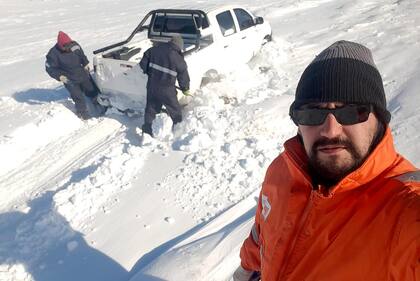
(302, 223)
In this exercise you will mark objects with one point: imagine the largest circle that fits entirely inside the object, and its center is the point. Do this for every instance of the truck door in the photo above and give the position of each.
(228, 43)
(249, 43)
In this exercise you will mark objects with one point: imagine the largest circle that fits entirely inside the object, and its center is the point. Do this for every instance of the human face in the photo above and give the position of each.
(335, 150)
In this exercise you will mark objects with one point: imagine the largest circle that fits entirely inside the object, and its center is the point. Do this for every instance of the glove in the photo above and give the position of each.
(63, 79)
(241, 274)
(187, 93)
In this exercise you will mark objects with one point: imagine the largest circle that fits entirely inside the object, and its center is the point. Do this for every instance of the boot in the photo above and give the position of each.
(147, 128)
(84, 115)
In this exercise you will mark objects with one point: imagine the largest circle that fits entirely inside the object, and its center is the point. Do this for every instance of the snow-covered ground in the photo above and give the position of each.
(90, 201)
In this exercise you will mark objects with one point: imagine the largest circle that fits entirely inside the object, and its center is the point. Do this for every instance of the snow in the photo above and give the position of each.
(96, 201)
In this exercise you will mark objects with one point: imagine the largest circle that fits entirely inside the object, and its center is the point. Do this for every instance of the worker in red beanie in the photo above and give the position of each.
(63, 39)
(67, 63)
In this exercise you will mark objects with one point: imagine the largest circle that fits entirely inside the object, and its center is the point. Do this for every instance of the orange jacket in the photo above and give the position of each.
(367, 227)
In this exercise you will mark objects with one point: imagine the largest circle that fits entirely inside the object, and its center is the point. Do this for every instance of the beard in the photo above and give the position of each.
(330, 171)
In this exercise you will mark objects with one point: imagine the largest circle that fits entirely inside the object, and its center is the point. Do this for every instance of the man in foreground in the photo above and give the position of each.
(164, 64)
(339, 203)
(67, 63)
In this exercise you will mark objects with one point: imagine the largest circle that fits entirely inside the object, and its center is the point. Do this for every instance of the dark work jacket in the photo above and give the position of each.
(70, 64)
(164, 64)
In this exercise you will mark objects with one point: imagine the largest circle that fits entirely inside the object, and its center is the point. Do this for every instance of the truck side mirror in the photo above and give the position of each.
(259, 20)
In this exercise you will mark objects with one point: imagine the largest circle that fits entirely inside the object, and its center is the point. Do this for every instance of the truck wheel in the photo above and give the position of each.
(209, 77)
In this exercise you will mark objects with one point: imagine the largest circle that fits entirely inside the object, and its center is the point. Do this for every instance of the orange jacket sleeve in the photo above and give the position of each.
(405, 255)
(250, 250)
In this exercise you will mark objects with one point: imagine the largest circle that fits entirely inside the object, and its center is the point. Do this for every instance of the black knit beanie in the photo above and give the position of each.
(343, 72)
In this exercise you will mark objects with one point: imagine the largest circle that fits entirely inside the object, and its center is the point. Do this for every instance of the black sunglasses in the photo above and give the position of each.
(346, 115)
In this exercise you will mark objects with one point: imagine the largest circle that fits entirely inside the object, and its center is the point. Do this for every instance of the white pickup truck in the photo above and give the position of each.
(215, 41)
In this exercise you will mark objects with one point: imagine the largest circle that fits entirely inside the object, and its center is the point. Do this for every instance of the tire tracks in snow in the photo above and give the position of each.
(54, 162)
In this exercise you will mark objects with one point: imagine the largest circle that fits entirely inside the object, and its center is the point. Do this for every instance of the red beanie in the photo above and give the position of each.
(63, 39)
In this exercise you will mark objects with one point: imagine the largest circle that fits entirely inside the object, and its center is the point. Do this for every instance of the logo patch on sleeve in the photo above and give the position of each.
(266, 207)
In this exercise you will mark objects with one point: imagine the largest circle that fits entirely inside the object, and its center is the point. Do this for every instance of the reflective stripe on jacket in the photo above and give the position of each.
(164, 64)
(366, 228)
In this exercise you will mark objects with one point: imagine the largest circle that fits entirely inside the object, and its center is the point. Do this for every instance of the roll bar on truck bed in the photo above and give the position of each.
(141, 27)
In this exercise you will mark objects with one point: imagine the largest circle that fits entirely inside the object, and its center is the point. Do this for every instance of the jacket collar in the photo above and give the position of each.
(67, 48)
(382, 158)
(175, 47)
